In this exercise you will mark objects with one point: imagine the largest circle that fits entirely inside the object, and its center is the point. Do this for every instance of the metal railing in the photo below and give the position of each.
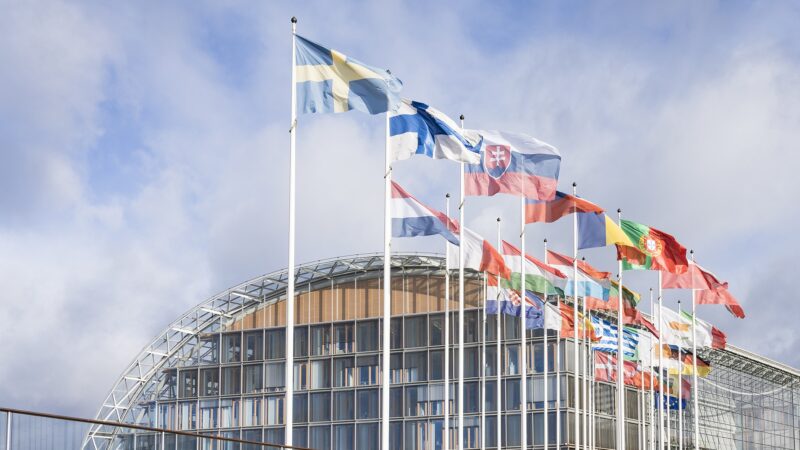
(30, 430)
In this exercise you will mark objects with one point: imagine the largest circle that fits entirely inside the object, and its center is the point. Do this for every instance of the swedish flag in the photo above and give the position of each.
(328, 81)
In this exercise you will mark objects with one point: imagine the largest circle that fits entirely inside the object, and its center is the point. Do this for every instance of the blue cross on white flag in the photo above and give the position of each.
(330, 82)
(417, 129)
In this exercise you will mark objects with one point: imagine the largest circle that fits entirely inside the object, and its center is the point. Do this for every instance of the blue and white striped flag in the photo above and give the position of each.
(330, 82)
(417, 129)
(607, 332)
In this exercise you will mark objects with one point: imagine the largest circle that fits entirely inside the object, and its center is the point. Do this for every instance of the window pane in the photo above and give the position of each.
(396, 333)
(320, 374)
(209, 382)
(367, 370)
(437, 365)
(343, 338)
(301, 341)
(320, 409)
(273, 410)
(208, 350)
(187, 417)
(416, 400)
(343, 436)
(320, 437)
(511, 400)
(367, 404)
(416, 332)
(436, 327)
(472, 365)
(396, 402)
(343, 372)
(396, 368)
(275, 344)
(368, 337)
(253, 378)
(275, 376)
(368, 435)
(251, 412)
(300, 412)
(472, 326)
(416, 367)
(231, 347)
(231, 378)
(320, 340)
(188, 383)
(471, 397)
(436, 399)
(511, 366)
(254, 346)
(229, 413)
(343, 405)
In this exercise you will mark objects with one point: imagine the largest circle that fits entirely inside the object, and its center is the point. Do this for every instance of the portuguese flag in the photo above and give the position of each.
(654, 250)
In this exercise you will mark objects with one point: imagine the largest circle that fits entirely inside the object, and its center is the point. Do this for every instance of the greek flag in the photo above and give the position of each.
(330, 82)
(417, 129)
(607, 332)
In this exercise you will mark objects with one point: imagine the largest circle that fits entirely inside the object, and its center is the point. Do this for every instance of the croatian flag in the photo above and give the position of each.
(516, 164)
(417, 129)
(508, 301)
(412, 218)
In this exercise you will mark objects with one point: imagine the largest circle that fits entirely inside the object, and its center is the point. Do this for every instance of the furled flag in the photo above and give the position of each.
(551, 210)
(652, 249)
(412, 218)
(710, 291)
(330, 82)
(417, 129)
(479, 255)
(598, 230)
(676, 329)
(516, 164)
(589, 279)
(539, 277)
(608, 338)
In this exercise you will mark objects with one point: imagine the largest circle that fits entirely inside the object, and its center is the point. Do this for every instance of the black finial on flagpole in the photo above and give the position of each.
(691, 252)
(679, 302)
(498, 219)
(651, 289)
(461, 117)
(619, 210)
(583, 258)
(447, 195)
(574, 184)
(294, 19)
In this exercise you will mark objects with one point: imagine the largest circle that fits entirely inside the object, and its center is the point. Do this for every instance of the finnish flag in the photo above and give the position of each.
(417, 129)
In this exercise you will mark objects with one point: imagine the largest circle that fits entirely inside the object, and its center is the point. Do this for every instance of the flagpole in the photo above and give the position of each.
(546, 366)
(499, 374)
(680, 392)
(288, 403)
(661, 424)
(576, 361)
(584, 372)
(696, 390)
(460, 437)
(652, 393)
(483, 368)
(387, 293)
(642, 438)
(523, 332)
(558, 380)
(446, 432)
(620, 358)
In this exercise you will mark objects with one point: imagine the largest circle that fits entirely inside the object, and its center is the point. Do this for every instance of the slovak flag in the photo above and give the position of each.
(411, 218)
(516, 164)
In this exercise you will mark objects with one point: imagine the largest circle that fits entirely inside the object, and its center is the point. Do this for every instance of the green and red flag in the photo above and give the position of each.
(653, 250)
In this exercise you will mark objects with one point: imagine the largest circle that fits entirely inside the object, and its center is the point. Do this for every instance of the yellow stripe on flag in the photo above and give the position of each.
(615, 235)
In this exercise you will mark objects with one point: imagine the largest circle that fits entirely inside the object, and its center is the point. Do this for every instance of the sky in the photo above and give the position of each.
(144, 154)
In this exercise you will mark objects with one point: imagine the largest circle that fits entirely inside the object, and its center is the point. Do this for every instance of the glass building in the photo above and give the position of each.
(220, 369)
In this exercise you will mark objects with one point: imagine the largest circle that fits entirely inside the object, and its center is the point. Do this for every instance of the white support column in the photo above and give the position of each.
(576, 360)
(523, 353)
(387, 294)
(680, 394)
(620, 357)
(460, 438)
(650, 408)
(662, 438)
(695, 386)
(289, 402)
(483, 366)
(584, 377)
(8, 431)
(546, 367)
(446, 432)
(499, 347)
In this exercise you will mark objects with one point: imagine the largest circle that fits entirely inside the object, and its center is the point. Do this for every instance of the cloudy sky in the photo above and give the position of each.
(144, 154)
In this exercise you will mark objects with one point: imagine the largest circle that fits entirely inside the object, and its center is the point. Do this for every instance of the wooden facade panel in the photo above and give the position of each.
(397, 296)
(416, 294)
(302, 307)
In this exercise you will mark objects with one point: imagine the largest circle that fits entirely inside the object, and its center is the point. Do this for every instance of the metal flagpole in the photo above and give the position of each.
(546, 366)
(650, 409)
(620, 358)
(662, 439)
(558, 379)
(584, 373)
(576, 361)
(446, 432)
(523, 354)
(288, 403)
(387, 293)
(695, 386)
(680, 391)
(483, 366)
(460, 437)
(499, 373)
(642, 437)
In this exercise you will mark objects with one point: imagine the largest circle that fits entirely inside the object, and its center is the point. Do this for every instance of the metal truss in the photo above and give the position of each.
(142, 380)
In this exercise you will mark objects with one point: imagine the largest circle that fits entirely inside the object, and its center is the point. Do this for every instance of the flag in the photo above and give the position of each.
(417, 129)
(516, 164)
(412, 218)
(676, 329)
(330, 82)
(644, 348)
(598, 230)
(479, 255)
(708, 335)
(677, 360)
(551, 210)
(561, 319)
(710, 291)
(539, 277)
(652, 249)
(608, 342)
(605, 367)
(589, 283)
(508, 301)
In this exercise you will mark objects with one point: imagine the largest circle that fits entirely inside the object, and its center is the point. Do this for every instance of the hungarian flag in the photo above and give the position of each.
(549, 211)
(653, 250)
(539, 277)
(710, 291)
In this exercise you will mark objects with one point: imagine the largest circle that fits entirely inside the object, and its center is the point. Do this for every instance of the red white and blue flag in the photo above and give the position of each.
(516, 164)
(411, 218)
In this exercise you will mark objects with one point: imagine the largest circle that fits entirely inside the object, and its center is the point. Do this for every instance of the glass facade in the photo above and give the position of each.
(231, 378)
